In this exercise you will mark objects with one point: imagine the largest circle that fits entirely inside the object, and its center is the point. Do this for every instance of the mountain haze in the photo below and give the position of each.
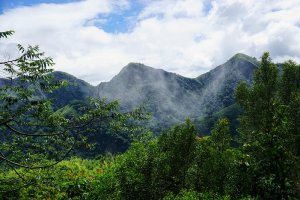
(170, 97)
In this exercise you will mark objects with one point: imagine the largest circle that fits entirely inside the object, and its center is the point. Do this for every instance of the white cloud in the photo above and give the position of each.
(181, 36)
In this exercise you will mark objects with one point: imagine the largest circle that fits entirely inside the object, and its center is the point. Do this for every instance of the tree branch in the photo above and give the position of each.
(11, 61)
(36, 167)
(34, 135)
(6, 121)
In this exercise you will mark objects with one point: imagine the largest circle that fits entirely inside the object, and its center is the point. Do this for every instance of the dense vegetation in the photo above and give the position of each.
(260, 162)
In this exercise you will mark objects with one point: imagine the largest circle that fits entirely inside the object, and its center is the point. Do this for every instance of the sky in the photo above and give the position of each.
(94, 39)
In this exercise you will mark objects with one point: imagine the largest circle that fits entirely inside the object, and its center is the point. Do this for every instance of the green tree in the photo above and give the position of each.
(220, 135)
(33, 134)
(216, 165)
(289, 93)
(177, 147)
(152, 169)
(20, 106)
(270, 127)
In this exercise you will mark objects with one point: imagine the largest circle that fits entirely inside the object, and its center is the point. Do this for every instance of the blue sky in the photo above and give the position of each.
(10, 4)
(94, 39)
(123, 20)
(120, 21)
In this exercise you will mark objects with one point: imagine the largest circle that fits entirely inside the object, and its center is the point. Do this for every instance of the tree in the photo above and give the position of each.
(216, 164)
(33, 134)
(220, 136)
(151, 169)
(177, 147)
(270, 127)
(21, 107)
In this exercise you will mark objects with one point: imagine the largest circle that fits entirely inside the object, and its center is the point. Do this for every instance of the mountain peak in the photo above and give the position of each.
(244, 57)
(134, 71)
(132, 66)
(238, 67)
(135, 64)
(240, 55)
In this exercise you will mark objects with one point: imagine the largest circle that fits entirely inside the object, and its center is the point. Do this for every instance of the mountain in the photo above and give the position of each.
(170, 97)
(167, 96)
(76, 89)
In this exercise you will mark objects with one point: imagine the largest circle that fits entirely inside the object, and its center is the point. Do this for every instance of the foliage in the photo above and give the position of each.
(152, 168)
(33, 134)
(21, 107)
(205, 124)
(270, 128)
(68, 179)
(5, 34)
(179, 160)
(178, 164)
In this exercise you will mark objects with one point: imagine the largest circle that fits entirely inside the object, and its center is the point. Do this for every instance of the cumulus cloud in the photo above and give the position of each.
(187, 37)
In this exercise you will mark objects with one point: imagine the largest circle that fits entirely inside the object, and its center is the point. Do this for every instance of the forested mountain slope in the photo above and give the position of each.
(169, 97)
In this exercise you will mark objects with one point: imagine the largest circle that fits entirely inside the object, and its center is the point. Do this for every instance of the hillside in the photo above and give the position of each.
(76, 90)
(170, 97)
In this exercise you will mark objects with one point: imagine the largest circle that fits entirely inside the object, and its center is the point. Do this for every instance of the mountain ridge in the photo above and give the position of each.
(172, 97)
(168, 96)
